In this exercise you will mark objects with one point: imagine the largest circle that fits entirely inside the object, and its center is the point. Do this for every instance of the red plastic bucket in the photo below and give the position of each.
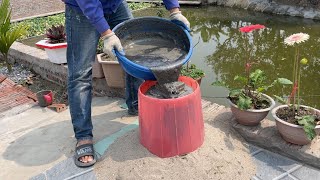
(170, 127)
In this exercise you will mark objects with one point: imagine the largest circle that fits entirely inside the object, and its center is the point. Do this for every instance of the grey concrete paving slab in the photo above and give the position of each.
(307, 173)
(37, 139)
(254, 149)
(287, 177)
(270, 165)
(267, 136)
(41, 176)
(64, 170)
(87, 176)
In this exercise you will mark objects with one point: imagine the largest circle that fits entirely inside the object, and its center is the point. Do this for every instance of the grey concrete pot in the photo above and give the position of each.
(290, 132)
(251, 117)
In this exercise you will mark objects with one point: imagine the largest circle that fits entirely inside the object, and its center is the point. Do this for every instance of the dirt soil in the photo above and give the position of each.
(283, 114)
(260, 103)
(36, 84)
(220, 157)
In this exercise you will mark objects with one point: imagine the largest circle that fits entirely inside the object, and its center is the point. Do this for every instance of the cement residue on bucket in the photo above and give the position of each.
(128, 159)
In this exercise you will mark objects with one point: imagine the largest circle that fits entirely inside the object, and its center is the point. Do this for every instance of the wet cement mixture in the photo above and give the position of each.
(161, 46)
(165, 61)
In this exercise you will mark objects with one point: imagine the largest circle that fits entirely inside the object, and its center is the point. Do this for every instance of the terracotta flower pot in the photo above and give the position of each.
(251, 117)
(290, 132)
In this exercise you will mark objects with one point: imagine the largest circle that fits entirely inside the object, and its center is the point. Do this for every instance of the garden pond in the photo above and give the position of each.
(219, 49)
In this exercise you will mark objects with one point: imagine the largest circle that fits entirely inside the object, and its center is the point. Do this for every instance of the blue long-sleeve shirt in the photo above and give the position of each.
(94, 10)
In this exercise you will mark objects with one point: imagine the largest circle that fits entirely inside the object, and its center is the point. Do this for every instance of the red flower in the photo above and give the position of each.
(250, 28)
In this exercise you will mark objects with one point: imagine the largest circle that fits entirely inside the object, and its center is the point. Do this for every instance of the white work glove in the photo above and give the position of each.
(111, 42)
(178, 16)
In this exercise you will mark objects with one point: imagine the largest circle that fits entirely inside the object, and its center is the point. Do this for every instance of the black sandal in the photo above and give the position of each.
(84, 150)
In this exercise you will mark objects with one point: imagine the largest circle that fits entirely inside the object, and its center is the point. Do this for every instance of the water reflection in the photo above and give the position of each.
(218, 27)
(220, 50)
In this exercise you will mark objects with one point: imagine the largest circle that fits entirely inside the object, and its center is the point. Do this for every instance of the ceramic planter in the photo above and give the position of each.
(113, 72)
(251, 117)
(290, 132)
(57, 53)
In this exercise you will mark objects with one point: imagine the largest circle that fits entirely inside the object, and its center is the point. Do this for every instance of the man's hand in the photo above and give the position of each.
(111, 41)
(175, 14)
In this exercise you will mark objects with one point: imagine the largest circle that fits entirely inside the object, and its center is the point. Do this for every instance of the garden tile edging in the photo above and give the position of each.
(267, 136)
(270, 7)
(37, 60)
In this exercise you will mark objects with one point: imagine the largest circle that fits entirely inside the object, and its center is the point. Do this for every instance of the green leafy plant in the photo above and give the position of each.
(56, 34)
(308, 123)
(138, 5)
(8, 34)
(249, 94)
(37, 26)
(296, 113)
(160, 13)
(192, 71)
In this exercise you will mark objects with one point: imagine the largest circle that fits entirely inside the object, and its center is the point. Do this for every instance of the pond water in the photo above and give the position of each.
(219, 49)
(220, 52)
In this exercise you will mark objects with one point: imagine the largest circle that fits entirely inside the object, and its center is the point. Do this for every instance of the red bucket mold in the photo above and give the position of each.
(170, 127)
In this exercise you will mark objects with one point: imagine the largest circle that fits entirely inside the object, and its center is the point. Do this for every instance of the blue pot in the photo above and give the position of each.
(174, 31)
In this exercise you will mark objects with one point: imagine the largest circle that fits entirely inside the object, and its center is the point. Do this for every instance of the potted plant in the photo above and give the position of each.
(193, 72)
(297, 124)
(112, 70)
(248, 102)
(8, 34)
(55, 45)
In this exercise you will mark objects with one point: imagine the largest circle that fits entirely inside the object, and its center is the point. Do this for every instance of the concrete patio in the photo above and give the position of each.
(38, 143)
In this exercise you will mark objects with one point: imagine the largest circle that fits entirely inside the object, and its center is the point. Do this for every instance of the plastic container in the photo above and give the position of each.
(45, 98)
(113, 72)
(170, 127)
(57, 53)
(144, 30)
(97, 71)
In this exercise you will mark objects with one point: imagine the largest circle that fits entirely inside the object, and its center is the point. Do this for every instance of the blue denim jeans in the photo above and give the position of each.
(82, 39)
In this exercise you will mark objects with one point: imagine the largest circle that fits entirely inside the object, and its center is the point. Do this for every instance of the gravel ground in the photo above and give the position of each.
(23, 76)
(19, 75)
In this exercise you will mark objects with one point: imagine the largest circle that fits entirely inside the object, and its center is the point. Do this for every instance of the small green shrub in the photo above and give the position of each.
(192, 71)
(56, 34)
(38, 26)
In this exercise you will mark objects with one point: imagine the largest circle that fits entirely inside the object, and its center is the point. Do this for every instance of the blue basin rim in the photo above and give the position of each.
(145, 73)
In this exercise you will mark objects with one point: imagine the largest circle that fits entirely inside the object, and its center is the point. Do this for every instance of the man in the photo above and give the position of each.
(86, 22)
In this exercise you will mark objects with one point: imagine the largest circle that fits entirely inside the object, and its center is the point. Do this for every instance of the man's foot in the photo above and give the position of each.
(84, 155)
(132, 112)
(85, 159)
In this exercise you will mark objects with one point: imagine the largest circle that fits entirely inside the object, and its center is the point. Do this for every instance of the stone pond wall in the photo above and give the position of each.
(300, 8)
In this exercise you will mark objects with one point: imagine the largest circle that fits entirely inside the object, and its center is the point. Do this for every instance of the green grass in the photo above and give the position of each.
(140, 5)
